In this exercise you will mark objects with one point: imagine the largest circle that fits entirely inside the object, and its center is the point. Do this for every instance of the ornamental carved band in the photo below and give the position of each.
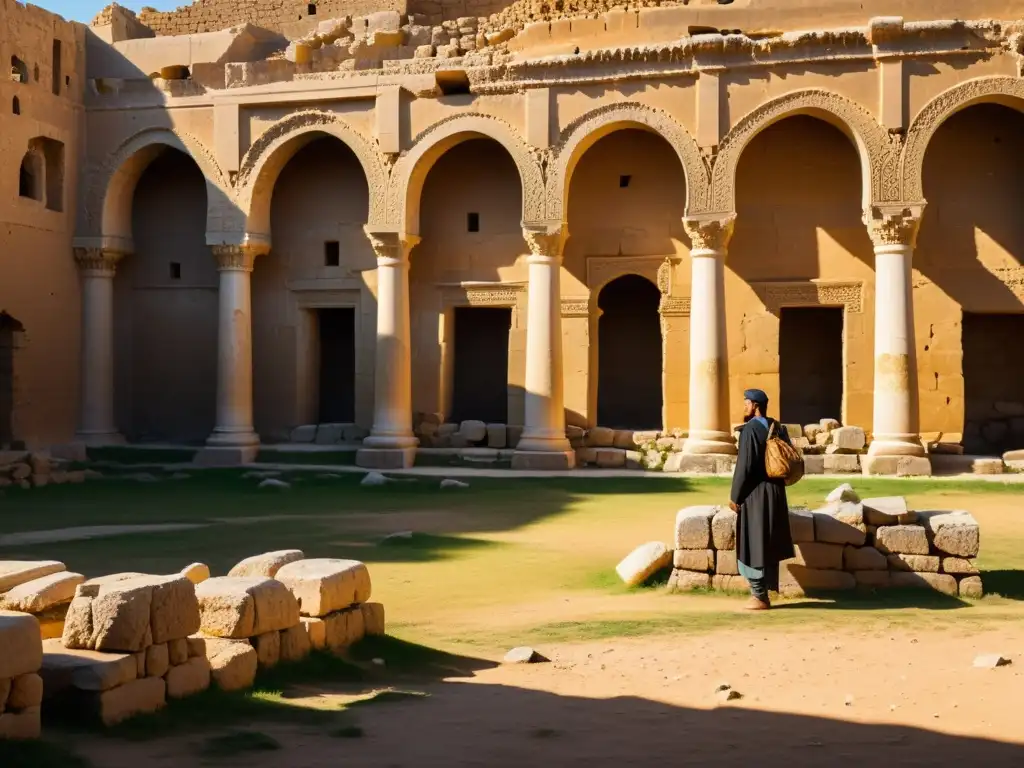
(545, 242)
(392, 246)
(238, 258)
(895, 226)
(710, 234)
(99, 260)
(491, 297)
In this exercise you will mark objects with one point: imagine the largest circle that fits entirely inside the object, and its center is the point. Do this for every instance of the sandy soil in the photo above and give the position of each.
(822, 698)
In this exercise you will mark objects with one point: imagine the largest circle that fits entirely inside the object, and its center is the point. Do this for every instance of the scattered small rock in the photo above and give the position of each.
(398, 535)
(450, 483)
(374, 478)
(379, 662)
(844, 492)
(849, 700)
(728, 694)
(271, 482)
(991, 661)
(523, 655)
(722, 687)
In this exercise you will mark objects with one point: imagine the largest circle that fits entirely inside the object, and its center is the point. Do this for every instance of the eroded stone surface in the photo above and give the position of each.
(325, 585)
(245, 606)
(266, 564)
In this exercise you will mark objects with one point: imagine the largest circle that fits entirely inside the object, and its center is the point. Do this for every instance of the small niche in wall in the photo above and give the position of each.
(19, 70)
(16, 106)
(332, 253)
(56, 75)
(29, 181)
(472, 222)
(311, 9)
(624, 181)
(35, 73)
(175, 270)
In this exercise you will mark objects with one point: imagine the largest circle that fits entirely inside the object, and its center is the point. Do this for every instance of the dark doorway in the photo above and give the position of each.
(8, 328)
(480, 380)
(629, 355)
(993, 383)
(811, 364)
(337, 329)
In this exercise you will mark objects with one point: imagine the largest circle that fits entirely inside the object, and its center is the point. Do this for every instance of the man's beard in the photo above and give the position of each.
(747, 417)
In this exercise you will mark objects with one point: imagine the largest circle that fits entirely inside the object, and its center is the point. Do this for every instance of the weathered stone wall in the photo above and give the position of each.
(40, 116)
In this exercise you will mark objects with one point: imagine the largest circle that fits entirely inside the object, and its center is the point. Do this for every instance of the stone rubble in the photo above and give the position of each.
(35, 469)
(21, 691)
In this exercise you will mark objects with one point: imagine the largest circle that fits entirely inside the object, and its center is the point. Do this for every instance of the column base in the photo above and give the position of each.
(541, 443)
(703, 442)
(226, 439)
(99, 439)
(226, 456)
(543, 460)
(390, 441)
(896, 445)
(900, 466)
(385, 458)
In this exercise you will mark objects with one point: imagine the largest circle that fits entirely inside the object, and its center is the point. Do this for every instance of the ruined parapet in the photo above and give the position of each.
(116, 23)
(846, 545)
(35, 469)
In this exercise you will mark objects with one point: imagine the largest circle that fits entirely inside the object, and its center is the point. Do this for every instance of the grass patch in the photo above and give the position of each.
(327, 457)
(124, 454)
(40, 754)
(238, 743)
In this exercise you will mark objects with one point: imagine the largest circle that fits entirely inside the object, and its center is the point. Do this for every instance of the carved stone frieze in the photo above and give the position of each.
(495, 296)
(665, 276)
(711, 233)
(391, 246)
(893, 225)
(579, 135)
(545, 240)
(936, 112)
(776, 295)
(239, 258)
(674, 306)
(576, 307)
(879, 149)
(102, 261)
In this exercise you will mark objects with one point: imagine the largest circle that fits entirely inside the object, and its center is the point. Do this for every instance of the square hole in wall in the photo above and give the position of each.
(67, 80)
(472, 222)
(175, 269)
(311, 9)
(332, 253)
(624, 181)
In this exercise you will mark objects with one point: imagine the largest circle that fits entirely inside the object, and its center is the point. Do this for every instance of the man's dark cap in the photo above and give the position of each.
(756, 396)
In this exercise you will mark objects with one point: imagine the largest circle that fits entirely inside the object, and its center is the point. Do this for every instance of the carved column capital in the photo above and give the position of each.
(98, 261)
(545, 241)
(237, 258)
(893, 226)
(391, 248)
(709, 235)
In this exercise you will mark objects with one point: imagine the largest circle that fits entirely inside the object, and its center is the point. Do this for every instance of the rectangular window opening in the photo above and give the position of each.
(473, 222)
(311, 9)
(56, 74)
(332, 253)
(624, 181)
(175, 270)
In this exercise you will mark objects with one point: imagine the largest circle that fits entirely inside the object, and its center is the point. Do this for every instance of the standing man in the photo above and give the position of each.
(762, 530)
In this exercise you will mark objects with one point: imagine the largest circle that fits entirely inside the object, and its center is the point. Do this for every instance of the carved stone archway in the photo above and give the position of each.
(878, 150)
(268, 155)
(587, 130)
(409, 173)
(998, 89)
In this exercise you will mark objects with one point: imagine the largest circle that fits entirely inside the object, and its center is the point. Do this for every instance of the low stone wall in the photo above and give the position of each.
(328, 434)
(21, 688)
(845, 545)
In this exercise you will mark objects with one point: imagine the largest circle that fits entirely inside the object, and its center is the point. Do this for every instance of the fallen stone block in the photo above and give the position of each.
(729, 583)
(801, 525)
(726, 563)
(848, 439)
(833, 530)
(693, 527)
(919, 563)
(15, 572)
(316, 631)
(841, 463)
(64, 668)
(177, 651)
(25, 691)
(991, 661)
(863, 559)
(843, 492)
(723, 529)
(523, 655)
(196, 572)
(814, 464)
(23, 725)
(954, 533)
(344, 628)
(610, 458)
(295, 644)
(268, 648)
(189, 678)
(266, 564)
(148, 694)
(496, 436)
(810, 580)
(938, 581)
(158, 660)
(888, 510)
(902, 539)
(245, 606)
(473, 431)
(233, 663)
(600, 437)
(694, 559)
(373, 619)
(687, 581)
(196, 646)
(959, 565)
(43, 593)
(21, 648)
(970, 586)
(325, 585)
(900, 466)
(819, 555)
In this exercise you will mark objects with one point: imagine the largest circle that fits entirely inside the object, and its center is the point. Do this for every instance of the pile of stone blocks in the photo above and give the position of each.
(328, 434)
(21, 687)
(43, 588)
(125, 648)
(434, 432)
(35, 469)
(845, 545)
(828, 447)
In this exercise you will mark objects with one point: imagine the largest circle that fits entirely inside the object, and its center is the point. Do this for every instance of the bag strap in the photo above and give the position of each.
(771, 428)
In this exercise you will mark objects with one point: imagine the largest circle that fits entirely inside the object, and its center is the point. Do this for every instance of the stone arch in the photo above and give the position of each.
(878, 150)
(269, 154)
(1008, 91)
(409, 173)
(108, 206)
(587, 130)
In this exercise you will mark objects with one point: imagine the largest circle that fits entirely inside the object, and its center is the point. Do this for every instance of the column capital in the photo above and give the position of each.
(893, 225)
(709, 234)
(545, 240)
(238, 258)
(98, 261)
(391, 247)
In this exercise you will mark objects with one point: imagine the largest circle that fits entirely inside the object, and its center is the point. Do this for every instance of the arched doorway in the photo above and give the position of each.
(629, 383)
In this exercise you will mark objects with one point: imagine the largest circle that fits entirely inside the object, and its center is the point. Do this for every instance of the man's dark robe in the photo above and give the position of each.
(762, 530)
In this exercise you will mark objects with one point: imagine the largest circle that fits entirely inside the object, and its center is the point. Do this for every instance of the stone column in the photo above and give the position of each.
(97, 425)
(543, 444)
(391, 444)
(234, 441)
(895, 431)
(709, 428)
